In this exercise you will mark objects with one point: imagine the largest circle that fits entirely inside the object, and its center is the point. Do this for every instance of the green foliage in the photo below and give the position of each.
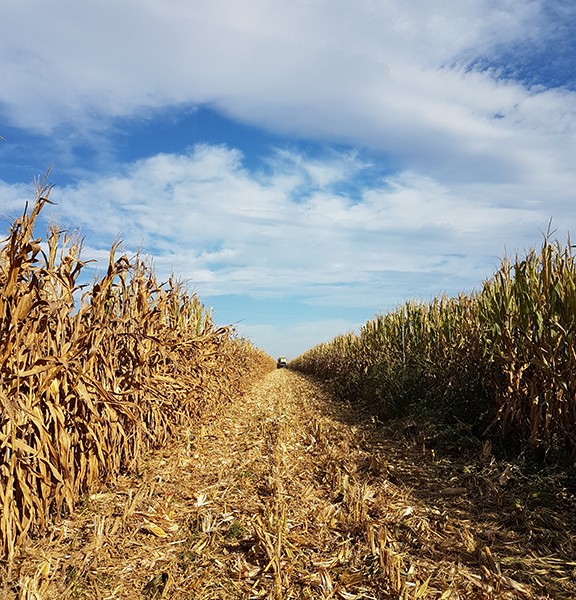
(503, 358)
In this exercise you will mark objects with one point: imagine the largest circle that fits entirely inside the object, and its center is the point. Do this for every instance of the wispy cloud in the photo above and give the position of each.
(410, 79)
(14, 199)
(289, 342)
(230, 230)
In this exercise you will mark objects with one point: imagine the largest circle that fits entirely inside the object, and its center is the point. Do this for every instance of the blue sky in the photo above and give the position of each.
(302, 165)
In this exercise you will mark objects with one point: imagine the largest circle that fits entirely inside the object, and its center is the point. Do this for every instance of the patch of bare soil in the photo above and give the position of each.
(288, 494)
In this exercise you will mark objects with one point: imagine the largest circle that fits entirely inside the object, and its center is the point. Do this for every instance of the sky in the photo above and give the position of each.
(301, 165)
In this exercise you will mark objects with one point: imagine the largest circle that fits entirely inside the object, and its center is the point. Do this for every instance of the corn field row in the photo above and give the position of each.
(91, 379)
(502, 359)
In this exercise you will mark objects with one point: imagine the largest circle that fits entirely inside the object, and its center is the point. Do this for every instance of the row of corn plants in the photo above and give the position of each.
(502, 359)
(92, 377)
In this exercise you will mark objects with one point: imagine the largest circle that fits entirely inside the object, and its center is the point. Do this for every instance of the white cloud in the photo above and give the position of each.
(391, 75)
(206, 218)
(292, 341)
(14, 198)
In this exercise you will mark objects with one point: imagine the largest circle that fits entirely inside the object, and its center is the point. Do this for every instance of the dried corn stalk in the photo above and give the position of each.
(86, 386)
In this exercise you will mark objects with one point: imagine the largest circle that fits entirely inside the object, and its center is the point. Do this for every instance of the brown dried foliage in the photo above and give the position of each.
(288, 493)
(87, 387)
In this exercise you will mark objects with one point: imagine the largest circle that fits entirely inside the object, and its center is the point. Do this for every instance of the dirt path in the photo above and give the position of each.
(286, 494)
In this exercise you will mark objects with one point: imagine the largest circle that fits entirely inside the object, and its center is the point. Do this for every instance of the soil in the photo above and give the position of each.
(289, 493)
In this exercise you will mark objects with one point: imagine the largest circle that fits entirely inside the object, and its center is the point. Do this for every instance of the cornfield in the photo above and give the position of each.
(91, 379)
(502, 360)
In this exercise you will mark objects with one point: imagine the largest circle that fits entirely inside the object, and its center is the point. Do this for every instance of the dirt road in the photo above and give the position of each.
(287, 494)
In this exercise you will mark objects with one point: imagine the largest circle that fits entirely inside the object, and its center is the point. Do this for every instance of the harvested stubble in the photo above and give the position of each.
(288, 493)
(86, 388)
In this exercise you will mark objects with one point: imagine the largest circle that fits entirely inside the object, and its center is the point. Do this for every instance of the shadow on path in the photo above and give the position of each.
(514, 529)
